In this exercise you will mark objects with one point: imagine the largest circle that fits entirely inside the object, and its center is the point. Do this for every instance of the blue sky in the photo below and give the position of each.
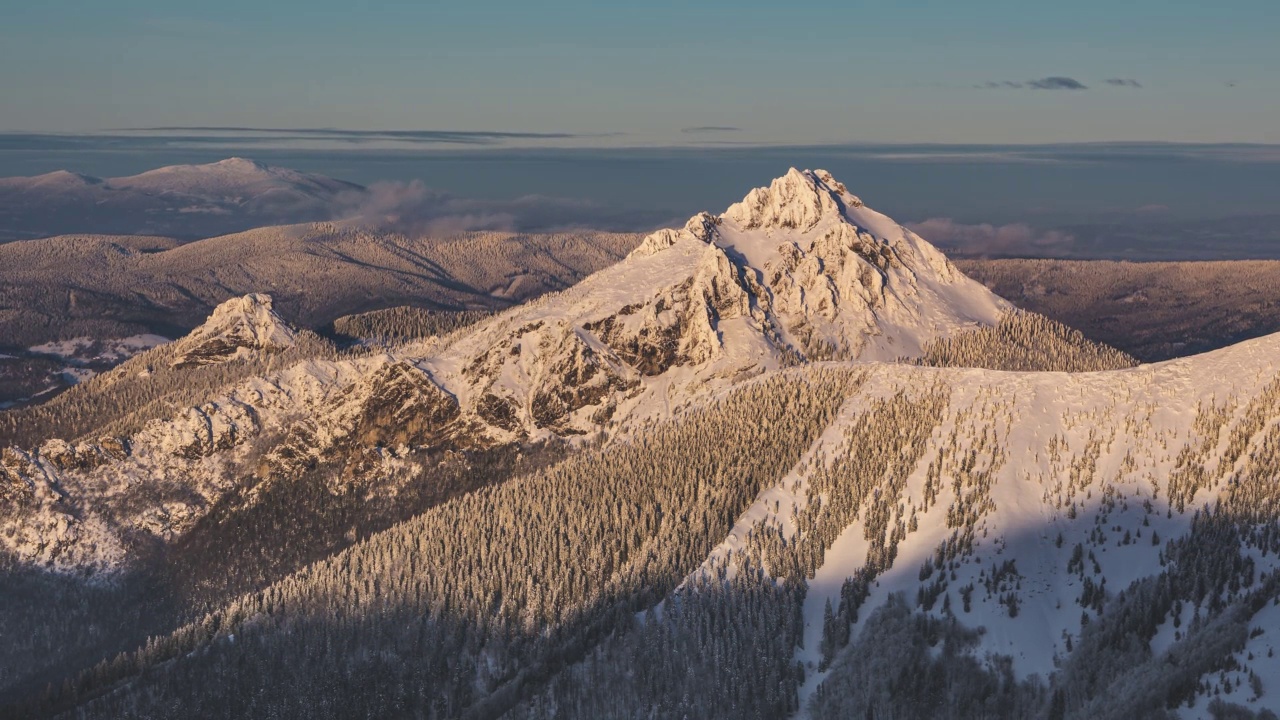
(798, 72)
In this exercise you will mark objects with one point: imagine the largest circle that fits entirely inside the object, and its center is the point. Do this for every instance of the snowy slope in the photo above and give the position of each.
(1032, 465)
(842, 280)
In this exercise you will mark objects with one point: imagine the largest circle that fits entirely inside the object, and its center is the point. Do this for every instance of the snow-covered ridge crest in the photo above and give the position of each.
(236, 326)
(700, 227)
(233, 177)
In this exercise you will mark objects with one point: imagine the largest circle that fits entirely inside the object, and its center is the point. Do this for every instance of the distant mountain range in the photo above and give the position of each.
(182, 201)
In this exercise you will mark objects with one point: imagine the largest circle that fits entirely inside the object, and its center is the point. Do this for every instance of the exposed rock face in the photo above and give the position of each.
(834, 278)
(818, 286)
(845, 281)
(499, 411)
(84, 456)
(678, 326)
(37, 520)
(86, 504)
(215, 426)
(577, 376)
(16, 488)
(404, 407)
(237, 325)
(398, 407)
(648, 338)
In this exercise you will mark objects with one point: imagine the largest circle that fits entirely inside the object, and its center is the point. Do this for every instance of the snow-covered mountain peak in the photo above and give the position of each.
(240, 164)
(59, 183)
(230, 166)
(237, 325)
(836, 278)
(232, 178)
(798, 200)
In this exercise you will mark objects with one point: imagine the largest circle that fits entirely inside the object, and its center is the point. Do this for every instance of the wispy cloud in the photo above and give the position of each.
(1124, 82)
(1054, 82)
(988, 239)
(711, 129)
(461, 137)
(415, 208)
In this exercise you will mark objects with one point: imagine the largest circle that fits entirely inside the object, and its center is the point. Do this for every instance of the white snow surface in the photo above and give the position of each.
(87, 349)
(840, 274)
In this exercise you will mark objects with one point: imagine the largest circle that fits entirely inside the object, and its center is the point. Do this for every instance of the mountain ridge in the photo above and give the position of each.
(757, 503)
(886, 399)
(184, 201)
(679, 317)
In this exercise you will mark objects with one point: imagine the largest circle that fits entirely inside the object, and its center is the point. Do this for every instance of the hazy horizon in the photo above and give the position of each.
(1138, 201)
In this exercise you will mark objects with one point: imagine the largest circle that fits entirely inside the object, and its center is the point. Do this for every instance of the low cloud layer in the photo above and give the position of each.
(987, 239)
(1049, 83)
(1056, 83)
(414, 208)
(711, 129)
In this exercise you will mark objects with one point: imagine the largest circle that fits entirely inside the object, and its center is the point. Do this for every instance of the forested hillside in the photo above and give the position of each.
(477, 614)
(404, 323)
(1024, 341)
(787, 461)
(1152, 310)
(799, 562)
